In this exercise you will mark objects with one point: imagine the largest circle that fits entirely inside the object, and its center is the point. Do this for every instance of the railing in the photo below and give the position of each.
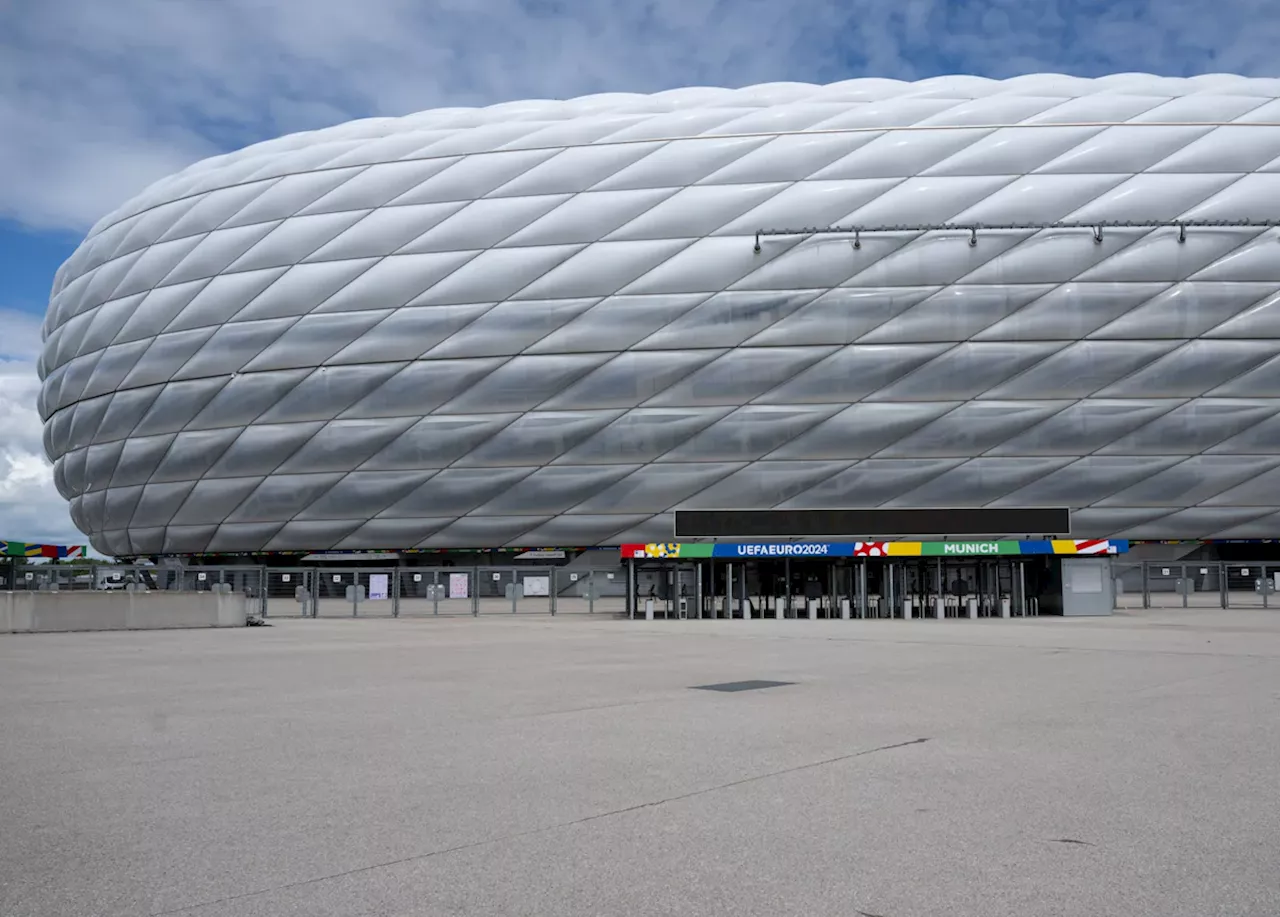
(1196, 584)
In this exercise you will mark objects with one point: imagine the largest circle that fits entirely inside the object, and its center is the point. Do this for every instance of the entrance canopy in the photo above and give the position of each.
(819, 549)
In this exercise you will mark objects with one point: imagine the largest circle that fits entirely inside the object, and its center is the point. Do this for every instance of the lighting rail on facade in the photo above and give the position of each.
(974, 228)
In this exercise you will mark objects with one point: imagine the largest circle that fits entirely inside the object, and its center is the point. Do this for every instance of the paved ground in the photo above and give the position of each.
(564, 767)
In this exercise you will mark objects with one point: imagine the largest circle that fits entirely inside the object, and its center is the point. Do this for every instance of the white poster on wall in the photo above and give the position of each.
(459, 585)
(378, 587)
(537, 585)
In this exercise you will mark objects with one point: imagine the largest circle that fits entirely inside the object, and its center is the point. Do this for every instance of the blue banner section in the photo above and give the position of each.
(794, 549)
(1035, 547)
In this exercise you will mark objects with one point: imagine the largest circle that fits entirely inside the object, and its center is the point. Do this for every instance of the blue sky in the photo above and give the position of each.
(97, 99)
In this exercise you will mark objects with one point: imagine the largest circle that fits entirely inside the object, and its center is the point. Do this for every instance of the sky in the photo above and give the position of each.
(98, 99)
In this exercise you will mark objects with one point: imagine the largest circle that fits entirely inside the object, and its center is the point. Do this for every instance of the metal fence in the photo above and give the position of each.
(248, 580)
(1196, 584)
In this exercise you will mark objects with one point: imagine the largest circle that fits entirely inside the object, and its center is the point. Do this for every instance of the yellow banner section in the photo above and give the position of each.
(1064, 547)
(903, 548)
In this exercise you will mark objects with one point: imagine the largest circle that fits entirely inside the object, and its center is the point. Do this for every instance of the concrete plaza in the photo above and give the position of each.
(564, 766)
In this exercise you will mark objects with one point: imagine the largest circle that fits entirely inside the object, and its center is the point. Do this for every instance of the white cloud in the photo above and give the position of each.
(31, 509)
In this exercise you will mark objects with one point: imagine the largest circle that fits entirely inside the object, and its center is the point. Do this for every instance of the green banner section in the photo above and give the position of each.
(969, 548)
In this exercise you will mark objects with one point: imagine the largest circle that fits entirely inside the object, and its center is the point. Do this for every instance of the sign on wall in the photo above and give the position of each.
(818, 549)
(379, 589)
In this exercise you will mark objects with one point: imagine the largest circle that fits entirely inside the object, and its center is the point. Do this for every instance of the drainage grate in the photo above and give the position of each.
(742, 685)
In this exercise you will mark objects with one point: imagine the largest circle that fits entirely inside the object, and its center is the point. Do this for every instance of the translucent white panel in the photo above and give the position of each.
(154, 265)
(213, 209)
(726, 320)
(396, 281)
(1193, 369)
(1124, 148)
(245, 397)
(1189, 523)
(695, 211)
(176, 404)
(1194, 427)
(680, 162)
(474, 176)
(643, 435)
(862, 430)
(483, 136)
(789, 158)
(1239, 197)
(1204, 478)
(290, 195)
(1153, 197)
(1160, 256)
(1039, 198)
(1084, 427)
(583, 529)
(71, 339)
(537, 438)
(813, 203)
(900, 154)
(99, 466)
(891, 112)
(575, 133)
(384, 533)
(340, 445)
(1082, 368)
(522, 383)
(978, 481)
(221, 298)
(402, 144)
(421, 387)
(616, 323)
(135, 462)
(552, 489)
(509, 328)
(111, 367)
(434, 442)
(330, 390)
(954, 314)
(282, 497)
(1185, 310)
(314, 338)
(217, 251)
(1088, 480)
(1102, 522)
(158, 504)
(870, 483)
(1255, 261)
(93, 509)
(496, 530)
(762, 485)
(575, 169)
(972, 428)
(373, 234)
(739, 376)
(192, 452)
(840, 316)
(1013, 151)
(657, 486)
(376, 185)
(361, 494)
(798, 263)
(937, 199)
(106, 321)
(156, 309)
(245, 536)
(601, 269)
(187, 539)
(120, 504)
(750, 433)
(793, 117)
(581, 218)
(850, 373)
(75, 375)
(1000, 108)
(966, 371)
(496, 274)
(1071, 311)
(228, 349)
(1207, 107)
(455, 491)
(1054, 256)
(300, 237)
(261, 448)
(705, 266)
(408, 333)
(120, 413)
(483, 224)
(656, 528)
(301, 288)
(630, 378)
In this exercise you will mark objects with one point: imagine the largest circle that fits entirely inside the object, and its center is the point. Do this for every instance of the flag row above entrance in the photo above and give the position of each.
(810, 549)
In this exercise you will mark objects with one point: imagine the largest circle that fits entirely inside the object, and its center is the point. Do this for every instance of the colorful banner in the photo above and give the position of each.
(54, 551)
(811, 549)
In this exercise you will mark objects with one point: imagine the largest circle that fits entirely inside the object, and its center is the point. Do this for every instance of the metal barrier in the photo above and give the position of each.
(1196, 584)
(248, 580)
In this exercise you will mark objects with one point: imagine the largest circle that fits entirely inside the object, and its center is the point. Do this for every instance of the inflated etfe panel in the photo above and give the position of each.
(547, 322)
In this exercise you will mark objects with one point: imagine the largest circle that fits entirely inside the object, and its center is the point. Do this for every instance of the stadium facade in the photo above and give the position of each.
(557, 322)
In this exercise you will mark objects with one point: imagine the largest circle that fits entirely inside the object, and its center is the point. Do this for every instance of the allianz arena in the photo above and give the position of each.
(557, 322)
